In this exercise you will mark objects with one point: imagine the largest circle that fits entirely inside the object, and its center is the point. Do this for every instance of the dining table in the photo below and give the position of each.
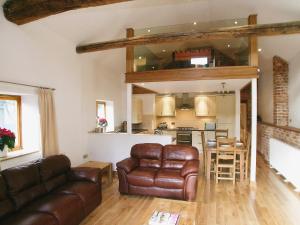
(210, 150)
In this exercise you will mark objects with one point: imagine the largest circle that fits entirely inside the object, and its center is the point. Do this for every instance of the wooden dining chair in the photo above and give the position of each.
(247, 145)
(225, 164)
(226, 141)
(212, 165)
(221, 134)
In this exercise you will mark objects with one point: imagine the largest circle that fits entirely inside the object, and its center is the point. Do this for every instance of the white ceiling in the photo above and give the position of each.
(195, 86)
(110, 21)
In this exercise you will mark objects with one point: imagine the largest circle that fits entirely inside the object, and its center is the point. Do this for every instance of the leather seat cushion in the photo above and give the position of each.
(30, 219)
(142, 177)
(167, 178)
(88, 192)
(66, 208)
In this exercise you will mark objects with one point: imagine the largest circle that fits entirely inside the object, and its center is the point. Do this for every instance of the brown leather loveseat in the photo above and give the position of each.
(48, 192)
(169, 171)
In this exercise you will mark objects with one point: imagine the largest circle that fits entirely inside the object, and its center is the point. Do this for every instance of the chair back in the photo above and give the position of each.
(226, 141)
(221, 134)
(228, 153)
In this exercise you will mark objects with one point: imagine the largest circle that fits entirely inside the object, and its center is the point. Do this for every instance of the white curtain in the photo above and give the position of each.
(48, 122)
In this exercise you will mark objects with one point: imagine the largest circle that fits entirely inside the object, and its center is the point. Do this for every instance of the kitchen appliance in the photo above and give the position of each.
(210, 126)
(184, 135)
(162, 126)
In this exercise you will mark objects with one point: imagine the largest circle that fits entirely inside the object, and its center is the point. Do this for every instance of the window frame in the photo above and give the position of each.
(102, 103)
(18, 99)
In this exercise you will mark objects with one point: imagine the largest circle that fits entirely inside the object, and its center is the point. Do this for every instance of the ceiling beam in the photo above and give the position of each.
(141, 90)
(223, 33)
(190, 74)
(25, 11)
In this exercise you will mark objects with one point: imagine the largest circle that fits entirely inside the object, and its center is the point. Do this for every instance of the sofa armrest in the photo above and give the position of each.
(127, 164)
(85, 174)
(189, 167)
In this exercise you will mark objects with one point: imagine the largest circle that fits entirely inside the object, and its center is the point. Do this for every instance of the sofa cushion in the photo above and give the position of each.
(142, 177)
(149, 155)
(174, 156)
(6, 205)
(54, 170)
(30, 219)
(66, 208)
(88, 192)
(169, 178)
(24, 184)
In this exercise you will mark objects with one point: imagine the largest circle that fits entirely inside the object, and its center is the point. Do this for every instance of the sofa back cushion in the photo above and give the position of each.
(175, 156)
(6, 205)
(54, 171)
(23, 183)
(148, 155)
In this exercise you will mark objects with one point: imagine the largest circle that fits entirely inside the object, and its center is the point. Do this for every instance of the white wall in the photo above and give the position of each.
(294, 91)
(265, 95)
(32, 54)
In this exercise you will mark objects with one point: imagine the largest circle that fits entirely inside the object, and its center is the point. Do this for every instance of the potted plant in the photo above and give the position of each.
(7, 141)
(102, 124)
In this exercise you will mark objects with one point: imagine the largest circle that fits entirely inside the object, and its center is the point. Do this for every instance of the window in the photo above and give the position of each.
(101, 109)
(10, 116)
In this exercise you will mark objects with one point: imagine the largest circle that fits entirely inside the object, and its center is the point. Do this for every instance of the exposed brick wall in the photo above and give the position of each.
(280, 94)
(288, 135)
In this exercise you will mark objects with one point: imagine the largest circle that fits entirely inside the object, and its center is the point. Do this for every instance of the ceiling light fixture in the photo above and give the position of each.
(195, 23)
(149, 30)
(140, 57)
(164, 50)
(258, 70)
(235, 22)
(259, 49)
(228, 46)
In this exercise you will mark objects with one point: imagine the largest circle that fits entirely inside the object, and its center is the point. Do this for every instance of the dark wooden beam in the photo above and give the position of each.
(129, 52)
(223, 33)
(25, 11)
(253, 52)
(141, 90)
(190, 74)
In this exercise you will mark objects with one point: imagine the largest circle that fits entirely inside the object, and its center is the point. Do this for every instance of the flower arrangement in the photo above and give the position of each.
(7, 138)
(102, 122)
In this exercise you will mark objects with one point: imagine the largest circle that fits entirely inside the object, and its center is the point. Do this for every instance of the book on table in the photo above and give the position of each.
(163, 218)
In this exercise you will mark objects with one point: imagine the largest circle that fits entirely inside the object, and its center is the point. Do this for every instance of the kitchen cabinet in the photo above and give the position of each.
(165, 105)
(225, 113)
(205, 105)
(196, 140)
(137, 110)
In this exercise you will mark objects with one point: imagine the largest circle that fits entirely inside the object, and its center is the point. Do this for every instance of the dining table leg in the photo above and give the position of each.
(208, 162)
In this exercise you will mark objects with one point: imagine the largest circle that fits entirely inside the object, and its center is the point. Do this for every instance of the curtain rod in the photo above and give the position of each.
(27, 85)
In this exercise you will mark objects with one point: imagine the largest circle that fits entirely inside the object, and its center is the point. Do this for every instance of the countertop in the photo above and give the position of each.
(194, 129)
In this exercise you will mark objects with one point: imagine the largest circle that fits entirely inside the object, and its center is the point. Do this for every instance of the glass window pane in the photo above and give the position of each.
(9, 116)
(101, 110)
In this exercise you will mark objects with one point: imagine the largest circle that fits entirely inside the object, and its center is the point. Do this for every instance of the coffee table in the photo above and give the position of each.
(106, 167)
(186, 210)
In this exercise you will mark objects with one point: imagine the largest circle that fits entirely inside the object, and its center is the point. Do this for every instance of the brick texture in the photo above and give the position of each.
(280, 94)
(284, 134)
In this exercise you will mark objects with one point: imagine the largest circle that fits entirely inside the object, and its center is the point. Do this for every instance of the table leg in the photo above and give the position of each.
(208, 162)
(110, 178)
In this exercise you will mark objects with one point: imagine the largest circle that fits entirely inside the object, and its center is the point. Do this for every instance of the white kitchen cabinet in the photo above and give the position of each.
(225, 113)
(196, 140)
(165, 105)
(205, 105)
(137, 110)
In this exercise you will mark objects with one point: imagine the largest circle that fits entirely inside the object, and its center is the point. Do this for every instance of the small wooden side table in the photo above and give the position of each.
(106, 167)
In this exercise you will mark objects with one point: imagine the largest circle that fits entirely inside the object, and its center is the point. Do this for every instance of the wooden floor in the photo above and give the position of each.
(271, 202)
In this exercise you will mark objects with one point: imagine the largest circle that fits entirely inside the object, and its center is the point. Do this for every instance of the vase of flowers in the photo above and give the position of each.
(7, 141)
(102, 124)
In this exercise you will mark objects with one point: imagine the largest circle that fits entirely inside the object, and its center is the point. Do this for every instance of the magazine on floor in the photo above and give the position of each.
(163, 218)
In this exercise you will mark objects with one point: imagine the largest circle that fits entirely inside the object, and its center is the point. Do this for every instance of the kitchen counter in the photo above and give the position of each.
(194, 129)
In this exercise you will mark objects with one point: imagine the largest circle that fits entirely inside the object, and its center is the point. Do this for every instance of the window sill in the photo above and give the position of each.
(16, 154)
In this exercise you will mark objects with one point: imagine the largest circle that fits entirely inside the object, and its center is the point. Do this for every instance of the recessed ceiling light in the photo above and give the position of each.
(164, 50)
(140, 57)
(258, 70)
(195, 23)
(228, 46)
(235, 22)
(149, 30)
(259, 49)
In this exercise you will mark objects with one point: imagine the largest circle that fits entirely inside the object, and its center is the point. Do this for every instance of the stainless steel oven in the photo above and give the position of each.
(184, 136)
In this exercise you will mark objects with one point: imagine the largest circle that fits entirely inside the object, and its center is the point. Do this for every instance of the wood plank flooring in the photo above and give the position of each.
(271, 202)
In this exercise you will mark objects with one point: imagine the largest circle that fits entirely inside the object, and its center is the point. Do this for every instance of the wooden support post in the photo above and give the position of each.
(253, 52)
(129, 52)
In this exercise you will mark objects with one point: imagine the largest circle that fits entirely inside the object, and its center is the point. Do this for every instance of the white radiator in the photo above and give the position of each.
(286, 160)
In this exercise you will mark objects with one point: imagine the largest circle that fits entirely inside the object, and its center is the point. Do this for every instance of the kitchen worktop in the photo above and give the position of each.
(194, 129)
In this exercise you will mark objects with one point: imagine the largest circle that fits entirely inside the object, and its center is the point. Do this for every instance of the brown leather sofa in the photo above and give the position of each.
(48, 192)
(169, 171)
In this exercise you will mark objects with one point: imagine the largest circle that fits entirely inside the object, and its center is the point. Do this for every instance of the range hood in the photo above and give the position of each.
(186, 102)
